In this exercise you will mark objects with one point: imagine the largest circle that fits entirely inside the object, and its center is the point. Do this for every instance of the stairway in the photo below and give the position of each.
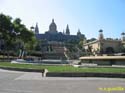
(57, 53)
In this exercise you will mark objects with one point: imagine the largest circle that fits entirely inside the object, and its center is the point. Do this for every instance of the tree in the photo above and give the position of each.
(26, 36)
(12, 32)
(6, 28)
(92, 39)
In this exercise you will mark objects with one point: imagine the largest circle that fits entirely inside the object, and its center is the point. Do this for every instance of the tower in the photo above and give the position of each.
(101, 37)
(78, 33)
(63, 32)
(67, 30)
(36, 29)
(123, 36)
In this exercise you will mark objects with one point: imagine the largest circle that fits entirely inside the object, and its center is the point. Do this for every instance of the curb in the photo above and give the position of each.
(86, 74)
(22, 69)
(69, 74)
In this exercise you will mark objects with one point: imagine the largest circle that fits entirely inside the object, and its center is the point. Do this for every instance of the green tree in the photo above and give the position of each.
(6, 29)
(92, 39)
(27, 37)
(14, 33)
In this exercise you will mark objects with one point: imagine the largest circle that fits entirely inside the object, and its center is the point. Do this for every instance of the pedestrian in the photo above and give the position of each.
(43, 71)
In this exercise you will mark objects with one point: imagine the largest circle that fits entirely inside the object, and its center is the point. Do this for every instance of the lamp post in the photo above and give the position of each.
(32, 29)
(18, 43)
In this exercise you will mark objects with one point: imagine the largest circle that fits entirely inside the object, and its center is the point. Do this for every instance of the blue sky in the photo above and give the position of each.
(87, 15)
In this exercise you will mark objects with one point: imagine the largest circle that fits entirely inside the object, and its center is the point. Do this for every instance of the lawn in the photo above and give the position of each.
(64, 68)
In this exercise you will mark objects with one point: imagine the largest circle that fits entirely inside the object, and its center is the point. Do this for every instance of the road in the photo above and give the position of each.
(28, 82)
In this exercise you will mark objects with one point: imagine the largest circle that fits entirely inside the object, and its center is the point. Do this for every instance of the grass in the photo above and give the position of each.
(64, 68)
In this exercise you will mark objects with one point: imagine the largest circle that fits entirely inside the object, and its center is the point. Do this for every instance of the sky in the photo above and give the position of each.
(87, 15)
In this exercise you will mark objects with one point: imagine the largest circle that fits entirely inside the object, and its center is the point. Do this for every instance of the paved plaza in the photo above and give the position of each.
(27, 82)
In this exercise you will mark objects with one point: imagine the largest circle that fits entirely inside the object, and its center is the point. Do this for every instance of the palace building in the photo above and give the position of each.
(54, 42)
(53, 35)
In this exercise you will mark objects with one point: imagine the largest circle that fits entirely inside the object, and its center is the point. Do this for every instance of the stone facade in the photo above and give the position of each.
(104, 46)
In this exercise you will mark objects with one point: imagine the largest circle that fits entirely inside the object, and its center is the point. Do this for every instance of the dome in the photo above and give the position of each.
(53, 26)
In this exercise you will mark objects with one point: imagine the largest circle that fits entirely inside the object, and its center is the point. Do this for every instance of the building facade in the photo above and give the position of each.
(53, 35)
(105, 46)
